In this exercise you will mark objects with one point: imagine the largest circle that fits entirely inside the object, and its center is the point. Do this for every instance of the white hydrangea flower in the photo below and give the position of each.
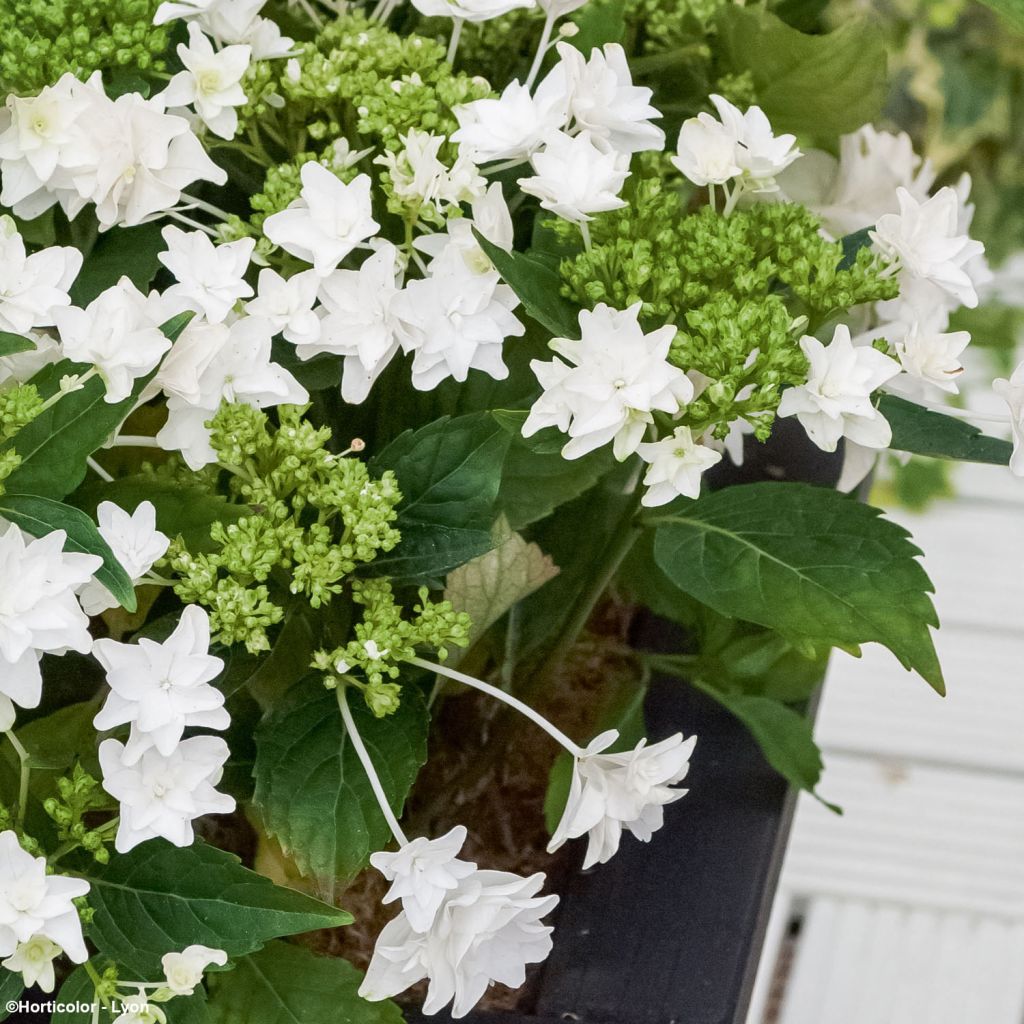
(676, 465)
(469, 10)
(266, 41)
(605, 102)
(161, 796)
(240, 370)
(930, 357)
(34, 904)
(851, 193)
(184, 971)
(181, 371)
(227, 21)
(1012, 393)
(486, 930)
(610, 383)
(328, 220)
(455, 320)
(559, 8)
(211, 82)
(577, 176)
(140, 159)
(115, 334)
(610, 793)
(706, 153)
(491, 217)
(38, 612)
(423, 873)
(515, 125)
(136, 543)
(357, 323)
(210, 278)
(288, 304)
(836, 400)
(161, 689)
(33, 960)
(927, 241)
(33, 286)
(23, 366)
(418, 175)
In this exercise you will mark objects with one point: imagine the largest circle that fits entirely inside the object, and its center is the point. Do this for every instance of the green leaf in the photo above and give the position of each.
(286, 984)
(488, 586)
(535, 480)
(784, 735)
(11, 989)
(599, 22)
(449, 473)
(12, 344)
(55, 445)
(123, 252)
(819, 85)
(535, 279)
(316, 374)
(1011, 10)
(817, 566)
(41, 516)
(188, 512)
(923, 432)
(160, 897)
(312, 793)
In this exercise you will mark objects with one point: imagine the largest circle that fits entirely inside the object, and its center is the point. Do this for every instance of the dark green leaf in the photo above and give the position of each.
(819, 85)
(11, 988)
(449, 473)
(316, 374)
(312, 793)
(12, 344)
(54, 446)
(186, 512)
(819, 567)
(852, 244)
(923, 432)
(535, 279)
(599, 22)
(286, 984)
(41, 516)
(160, 897)
(122, 252)
(1011, 10)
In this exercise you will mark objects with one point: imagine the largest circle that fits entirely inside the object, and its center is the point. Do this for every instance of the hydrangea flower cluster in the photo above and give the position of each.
(312, 340)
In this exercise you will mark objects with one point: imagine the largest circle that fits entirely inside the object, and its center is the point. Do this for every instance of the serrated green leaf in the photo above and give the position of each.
(41, 516)
(55, 445)
(158, 898)
(188, 512)
(534, 278)
(286, 984)
(923, 432)
(449, 473)
(312, 793)
(819, 85)
(819, 567)
(12, 344)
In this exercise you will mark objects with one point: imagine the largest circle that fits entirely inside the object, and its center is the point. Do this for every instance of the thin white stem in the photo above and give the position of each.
(367, 763)
(307, 7)
(133, 441)
(453, 44)
(202, 204)
(731, 198)
(506, 698)
(98, 470)
(23, 781)
(585, 232)
(542, 48)
(189, 222)
(504, 165)
(712, 198)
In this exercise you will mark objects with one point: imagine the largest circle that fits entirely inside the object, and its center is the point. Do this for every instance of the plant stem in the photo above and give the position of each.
(367, 763)
(542, 48)
(98, 470)
(506, 698)
(453, 44)
(25, 772)
(133, 441)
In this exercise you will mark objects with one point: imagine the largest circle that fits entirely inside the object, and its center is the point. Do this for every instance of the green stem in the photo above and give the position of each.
(25, 772)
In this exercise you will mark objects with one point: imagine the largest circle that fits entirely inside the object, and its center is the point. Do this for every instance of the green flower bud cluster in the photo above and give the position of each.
(740, 289)
(673, 24)
(385, 638)
(78, 794)
(10, 460)
(19, 406)
(315, 518)
(40, 40)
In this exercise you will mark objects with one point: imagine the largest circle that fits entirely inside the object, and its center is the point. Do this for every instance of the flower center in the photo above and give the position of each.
(208, 81)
